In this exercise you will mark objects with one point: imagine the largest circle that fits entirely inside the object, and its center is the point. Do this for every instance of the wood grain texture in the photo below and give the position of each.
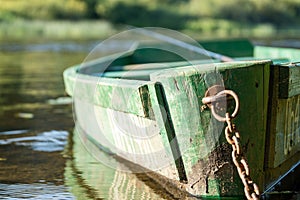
(283, 126)
(199, 134)
(119, 94)
(136, 139)
(289, 80)
(276, 52)
(164, 105)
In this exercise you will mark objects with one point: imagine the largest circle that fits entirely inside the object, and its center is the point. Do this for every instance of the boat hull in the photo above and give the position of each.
(157, 122)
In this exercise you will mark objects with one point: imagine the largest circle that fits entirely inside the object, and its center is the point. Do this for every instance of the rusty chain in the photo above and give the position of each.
(233, 137)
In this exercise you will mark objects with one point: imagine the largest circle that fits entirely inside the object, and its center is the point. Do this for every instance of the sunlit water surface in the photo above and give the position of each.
(40, 157)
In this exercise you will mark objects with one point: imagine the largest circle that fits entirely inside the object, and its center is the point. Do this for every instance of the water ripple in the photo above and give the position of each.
(46, 47)
(49, 141)
(13, 132)
(34, 191)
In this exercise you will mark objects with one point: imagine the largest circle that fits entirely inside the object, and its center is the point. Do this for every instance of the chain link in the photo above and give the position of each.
(233, 137)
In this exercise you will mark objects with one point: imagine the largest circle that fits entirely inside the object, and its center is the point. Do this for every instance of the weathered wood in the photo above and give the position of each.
(276, 52)
(170, 132)
(199, 135)
(143, 71)
(289, 80)
(166, 108)
(154, 66)
(287, 141)
(113, 91)
(119, 94)
(283, 125)
(136, 139)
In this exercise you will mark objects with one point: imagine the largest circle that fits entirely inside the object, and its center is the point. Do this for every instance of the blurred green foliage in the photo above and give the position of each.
(140, 15)
(45, 9)
(220, 17)
(24, 30)
(166, 13)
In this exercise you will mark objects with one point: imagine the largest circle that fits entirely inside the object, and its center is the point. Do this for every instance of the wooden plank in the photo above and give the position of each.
(202, 145)
(134, 138)
(133, 74)
(103, 91)
(170, 132)
(283, 125)
(143, 71)
(287, 141)
(119, 94)
(289, 80)
(277, 52)
(154, 66)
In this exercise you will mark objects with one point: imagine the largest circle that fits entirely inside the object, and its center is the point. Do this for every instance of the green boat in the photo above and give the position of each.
(149, 108)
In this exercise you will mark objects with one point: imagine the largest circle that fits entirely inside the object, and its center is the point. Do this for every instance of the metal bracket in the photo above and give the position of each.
(216, 99)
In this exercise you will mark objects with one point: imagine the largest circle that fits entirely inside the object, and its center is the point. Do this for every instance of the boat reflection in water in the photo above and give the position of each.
(90, 179)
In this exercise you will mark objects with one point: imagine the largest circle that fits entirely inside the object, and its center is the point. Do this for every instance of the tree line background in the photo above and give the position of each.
(209, 16)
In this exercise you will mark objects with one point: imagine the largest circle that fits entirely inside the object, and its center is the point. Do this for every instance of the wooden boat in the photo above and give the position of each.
(151, 116)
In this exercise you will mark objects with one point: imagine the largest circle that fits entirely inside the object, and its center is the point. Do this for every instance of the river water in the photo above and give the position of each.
(40, 156)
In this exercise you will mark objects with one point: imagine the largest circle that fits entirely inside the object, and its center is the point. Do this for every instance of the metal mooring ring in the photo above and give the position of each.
(211, 99)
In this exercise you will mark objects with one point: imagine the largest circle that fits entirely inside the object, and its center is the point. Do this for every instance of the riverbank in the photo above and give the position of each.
(45, 30)
(25, 31)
